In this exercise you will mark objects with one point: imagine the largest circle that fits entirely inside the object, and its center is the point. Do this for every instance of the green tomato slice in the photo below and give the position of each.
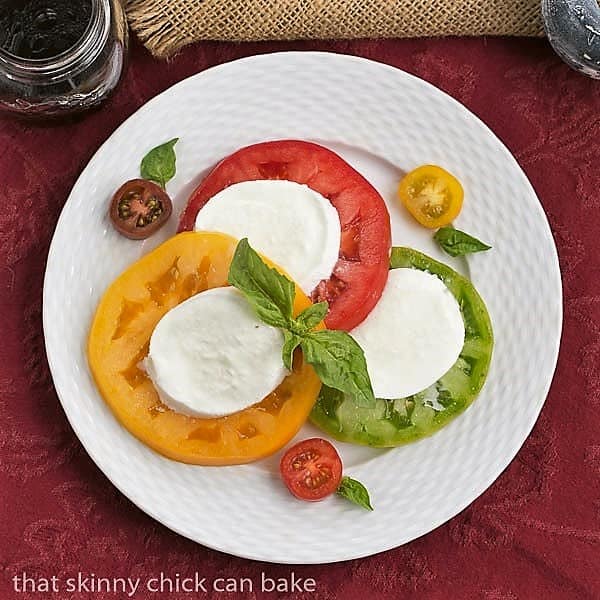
(396, 422)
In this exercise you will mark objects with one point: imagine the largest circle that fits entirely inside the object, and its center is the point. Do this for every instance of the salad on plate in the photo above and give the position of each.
(282, 299)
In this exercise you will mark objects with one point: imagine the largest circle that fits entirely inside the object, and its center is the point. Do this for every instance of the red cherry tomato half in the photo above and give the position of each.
(311, 469)
(139, 208)
(361, 272)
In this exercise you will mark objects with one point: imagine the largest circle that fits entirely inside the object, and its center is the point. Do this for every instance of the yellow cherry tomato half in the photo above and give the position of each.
(433, 196)
(184, 265)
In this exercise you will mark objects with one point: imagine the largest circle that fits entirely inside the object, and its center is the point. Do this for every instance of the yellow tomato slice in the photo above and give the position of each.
(185, 265)
(433, 196)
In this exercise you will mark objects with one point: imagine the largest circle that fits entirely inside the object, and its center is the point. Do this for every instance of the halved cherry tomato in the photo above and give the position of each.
(433, 196)
(311, 469)
(361, 272)
(139, 208)
(185, 265)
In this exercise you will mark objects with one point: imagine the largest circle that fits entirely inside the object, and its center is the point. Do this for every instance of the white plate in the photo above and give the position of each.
(383, 121)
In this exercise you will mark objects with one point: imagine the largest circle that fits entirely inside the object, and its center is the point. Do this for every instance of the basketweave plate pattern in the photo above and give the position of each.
(374, 115)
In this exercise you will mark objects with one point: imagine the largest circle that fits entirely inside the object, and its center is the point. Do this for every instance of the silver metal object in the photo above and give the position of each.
(573, 28)
(73, 81)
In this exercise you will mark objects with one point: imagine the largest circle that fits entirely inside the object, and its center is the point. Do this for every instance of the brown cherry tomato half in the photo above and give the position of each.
(311, 469)
(139, 208)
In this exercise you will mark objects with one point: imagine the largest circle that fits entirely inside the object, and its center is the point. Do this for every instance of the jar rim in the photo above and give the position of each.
(69, 61)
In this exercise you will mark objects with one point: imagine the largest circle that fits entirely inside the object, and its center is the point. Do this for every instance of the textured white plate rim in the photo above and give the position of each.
(349, 553)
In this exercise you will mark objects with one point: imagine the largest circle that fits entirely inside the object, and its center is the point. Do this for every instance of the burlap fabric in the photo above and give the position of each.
(165, 26)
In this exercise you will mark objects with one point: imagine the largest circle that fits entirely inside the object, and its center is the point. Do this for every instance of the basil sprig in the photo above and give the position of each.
(458, 243)
(159, 164)
(355, 491)
(337, 359)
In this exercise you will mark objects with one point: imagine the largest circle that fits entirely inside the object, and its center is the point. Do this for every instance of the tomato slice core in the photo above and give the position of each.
(432, 197)
(360, 274)
(311, 469)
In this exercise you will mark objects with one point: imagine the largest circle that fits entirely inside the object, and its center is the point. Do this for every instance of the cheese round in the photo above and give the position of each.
(211, 356)
(291, 224)
(413, 336)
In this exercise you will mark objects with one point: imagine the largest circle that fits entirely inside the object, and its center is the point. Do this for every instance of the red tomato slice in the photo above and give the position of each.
(361, 272)
(311, 469)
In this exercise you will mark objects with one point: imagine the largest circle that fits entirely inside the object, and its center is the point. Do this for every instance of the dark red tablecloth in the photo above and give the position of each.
(534, 534)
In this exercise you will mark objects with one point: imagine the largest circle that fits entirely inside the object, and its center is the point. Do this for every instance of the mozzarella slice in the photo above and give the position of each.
(413, 336)
(291, 224)
(211, 356)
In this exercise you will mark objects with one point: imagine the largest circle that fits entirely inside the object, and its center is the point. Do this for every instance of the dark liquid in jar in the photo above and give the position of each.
(42, 29)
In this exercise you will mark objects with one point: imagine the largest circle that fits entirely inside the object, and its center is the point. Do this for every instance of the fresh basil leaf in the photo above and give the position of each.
(159, 164)
(340, 363)
(458, 243)
(269, 292)
(329, 401)
(354, 491)
(291, 342)
(310, 317)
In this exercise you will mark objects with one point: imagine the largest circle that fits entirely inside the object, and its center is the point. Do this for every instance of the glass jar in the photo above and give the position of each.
(38, 78)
